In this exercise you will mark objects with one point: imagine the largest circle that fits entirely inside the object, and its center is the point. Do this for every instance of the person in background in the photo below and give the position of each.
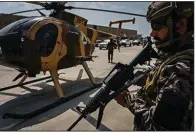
(149, 41)
(110, 48)
(118, 43)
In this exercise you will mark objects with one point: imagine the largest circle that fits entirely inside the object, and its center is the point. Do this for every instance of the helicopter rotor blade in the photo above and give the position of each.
(42, 14)
(36, 3)
(23, 11)
(60, 2)
(63, 2)
(49, 5)
(119, 12)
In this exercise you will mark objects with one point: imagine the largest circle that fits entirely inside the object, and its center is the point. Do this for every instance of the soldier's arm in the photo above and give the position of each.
(173, 100)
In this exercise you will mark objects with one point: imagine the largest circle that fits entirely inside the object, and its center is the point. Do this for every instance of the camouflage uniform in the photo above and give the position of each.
(166, 101)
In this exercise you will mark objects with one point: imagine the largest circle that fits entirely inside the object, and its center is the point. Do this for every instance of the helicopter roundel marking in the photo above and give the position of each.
(82, 49)
(83, 33)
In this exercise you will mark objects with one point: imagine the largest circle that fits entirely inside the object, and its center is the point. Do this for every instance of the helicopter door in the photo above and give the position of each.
(47, 37)
(73, 41)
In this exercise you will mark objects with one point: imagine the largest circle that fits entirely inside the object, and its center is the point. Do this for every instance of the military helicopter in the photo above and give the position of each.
(62, 40)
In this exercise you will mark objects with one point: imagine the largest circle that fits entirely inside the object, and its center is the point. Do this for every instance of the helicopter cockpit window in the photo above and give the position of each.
(47, 37)
(27, 25)
(23, 24)
(7, 28)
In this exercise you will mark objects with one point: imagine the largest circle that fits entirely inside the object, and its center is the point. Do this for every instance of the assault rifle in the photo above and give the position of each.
(119, 79)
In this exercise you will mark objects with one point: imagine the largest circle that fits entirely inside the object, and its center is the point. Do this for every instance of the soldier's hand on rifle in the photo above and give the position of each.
(120, 99)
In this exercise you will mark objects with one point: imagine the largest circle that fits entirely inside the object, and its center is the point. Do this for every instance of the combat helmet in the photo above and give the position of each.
(164, 14)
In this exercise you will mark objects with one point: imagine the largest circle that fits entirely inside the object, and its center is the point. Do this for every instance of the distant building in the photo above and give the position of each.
(127, 33)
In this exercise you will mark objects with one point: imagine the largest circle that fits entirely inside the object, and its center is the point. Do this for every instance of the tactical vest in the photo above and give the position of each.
(152, 79)
(153, 76)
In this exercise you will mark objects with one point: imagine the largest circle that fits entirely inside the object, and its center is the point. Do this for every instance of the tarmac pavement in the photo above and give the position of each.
(33, 96)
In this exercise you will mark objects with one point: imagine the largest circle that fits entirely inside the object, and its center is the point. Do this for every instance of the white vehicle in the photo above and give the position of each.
(97, 43)
(104, 44)
(125, 42)
(136, 42)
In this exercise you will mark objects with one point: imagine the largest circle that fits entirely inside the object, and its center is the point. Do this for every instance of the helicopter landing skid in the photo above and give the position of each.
(50, 106)
(25, 83)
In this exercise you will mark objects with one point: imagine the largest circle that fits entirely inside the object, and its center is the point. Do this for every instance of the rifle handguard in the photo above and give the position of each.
(119, 82)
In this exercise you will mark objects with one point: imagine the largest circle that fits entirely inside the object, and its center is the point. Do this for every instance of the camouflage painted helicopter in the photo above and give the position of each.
(48, 43)
(62, 40)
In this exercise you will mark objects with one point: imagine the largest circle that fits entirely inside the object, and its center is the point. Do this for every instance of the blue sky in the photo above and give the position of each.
(94, 17)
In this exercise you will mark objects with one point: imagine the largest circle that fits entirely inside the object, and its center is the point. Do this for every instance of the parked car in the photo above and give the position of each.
(125, 42)
(97, 43)
(104, 44)
(136, 42)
